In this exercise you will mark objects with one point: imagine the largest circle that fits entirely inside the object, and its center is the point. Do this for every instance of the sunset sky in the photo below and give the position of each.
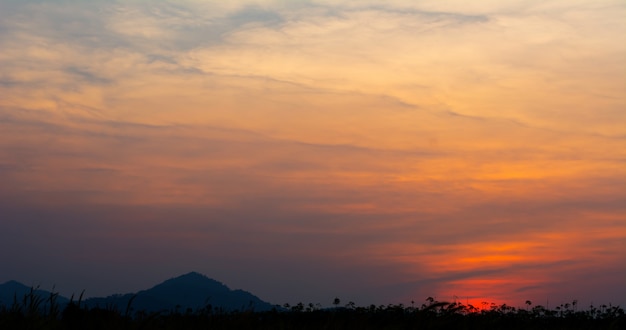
(375, 151)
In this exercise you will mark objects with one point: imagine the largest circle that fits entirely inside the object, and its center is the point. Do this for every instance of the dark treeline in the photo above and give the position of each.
(33, 312)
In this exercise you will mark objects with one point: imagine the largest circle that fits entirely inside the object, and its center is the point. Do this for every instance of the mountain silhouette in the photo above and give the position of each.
(192, 291)
(13, 292)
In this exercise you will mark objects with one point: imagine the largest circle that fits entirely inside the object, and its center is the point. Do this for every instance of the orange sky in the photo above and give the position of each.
(302, 150)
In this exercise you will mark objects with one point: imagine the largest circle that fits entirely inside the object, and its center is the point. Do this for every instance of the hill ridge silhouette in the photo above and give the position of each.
(192, 290)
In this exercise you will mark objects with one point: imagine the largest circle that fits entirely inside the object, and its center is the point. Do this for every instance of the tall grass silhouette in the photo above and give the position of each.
(34, 312)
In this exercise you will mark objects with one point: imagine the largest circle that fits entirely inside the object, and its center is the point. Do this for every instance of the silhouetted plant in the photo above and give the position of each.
(28, 314)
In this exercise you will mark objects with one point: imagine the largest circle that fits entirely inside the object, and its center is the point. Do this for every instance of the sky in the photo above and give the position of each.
(375, 151)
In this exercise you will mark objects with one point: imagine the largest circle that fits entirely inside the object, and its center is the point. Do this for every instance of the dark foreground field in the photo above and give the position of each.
(34, 313)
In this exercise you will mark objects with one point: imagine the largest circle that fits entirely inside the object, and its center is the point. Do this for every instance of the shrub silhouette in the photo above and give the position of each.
(27, 313)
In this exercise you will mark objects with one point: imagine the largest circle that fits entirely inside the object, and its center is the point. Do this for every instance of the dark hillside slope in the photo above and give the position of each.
(192, 290)
(15, 292)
